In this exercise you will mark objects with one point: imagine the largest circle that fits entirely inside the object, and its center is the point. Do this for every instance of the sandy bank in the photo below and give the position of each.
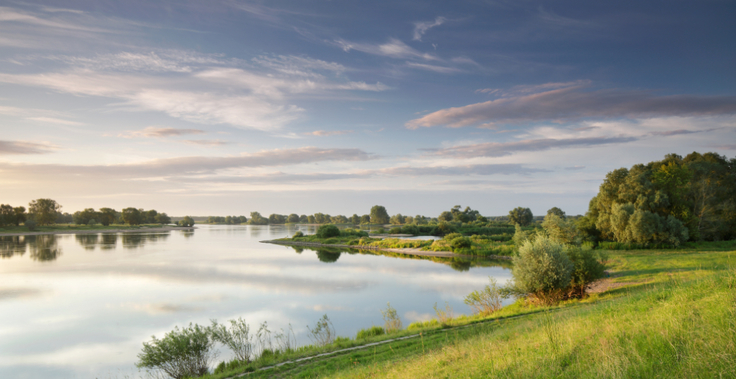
(96, 231)
(407, 251)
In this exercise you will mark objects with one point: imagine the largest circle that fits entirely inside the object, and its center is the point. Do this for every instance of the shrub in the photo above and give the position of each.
(298, 234)
(331, 241)
(452, 236)
(542, 269)
(461, 243)
(372, 332)
(237, 337)
(327, 231)
(444, 316)
(588, 267)
(185, 352)
(391, 319)
(323, 333)
(30, 224)
(486, 301)
(395, 231)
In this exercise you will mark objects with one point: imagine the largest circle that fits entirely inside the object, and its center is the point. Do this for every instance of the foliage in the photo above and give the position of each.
(487, 300)
(561, 230)
(588, 267)
(30, 224)
(182, 353)
(323, 332)
(371, 332)
(186, 221)
(236, 337)
(327, 231)
(542, 269)
(379, 215)
(444, 316)
(522, 216)
(298, 234)
(132, 216)
(391, 319)
(556, 211)
(44, 211)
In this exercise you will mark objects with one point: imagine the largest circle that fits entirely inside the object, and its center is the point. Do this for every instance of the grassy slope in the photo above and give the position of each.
(676, 318)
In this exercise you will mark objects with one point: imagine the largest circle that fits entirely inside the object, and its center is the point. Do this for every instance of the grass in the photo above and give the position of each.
(73, 227)
(673, 315)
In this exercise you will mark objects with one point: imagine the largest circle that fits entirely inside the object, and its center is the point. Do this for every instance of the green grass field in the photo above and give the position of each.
(665, 313)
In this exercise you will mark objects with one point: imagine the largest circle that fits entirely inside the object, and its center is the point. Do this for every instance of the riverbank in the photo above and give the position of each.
(407, 251)
(95, 231)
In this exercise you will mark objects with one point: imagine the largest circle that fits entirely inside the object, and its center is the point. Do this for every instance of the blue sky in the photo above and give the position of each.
(214, 108)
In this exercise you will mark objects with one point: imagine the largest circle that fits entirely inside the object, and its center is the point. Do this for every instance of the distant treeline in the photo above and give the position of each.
(48, 212)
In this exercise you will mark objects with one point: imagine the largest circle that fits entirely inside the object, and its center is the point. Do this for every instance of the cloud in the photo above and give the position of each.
(155, 132)
(574, 103)
(480, 169)
(161, 61)
(53, 120)
(499, 149)
(421, 27)
(393, 49)
(725, 147)
(190, 165)
(23, 147)
(681, 131)
(327, 133)
(17, 16)
(205, 142)
(574, 168)
(429, 67)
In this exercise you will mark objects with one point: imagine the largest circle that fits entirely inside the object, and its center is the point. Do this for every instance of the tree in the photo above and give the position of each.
(311, 219)
(131, 216)
(276, 219)
(20, 215)
(355, 219)
(397, 219)
(163, 219)
(106, 216)
(445, 216)
(556, 211)
(328, 231)
(293, 218)
(379, 215)
(7, 215)
(85, 216)
(522, 216)
(560, 229)
(365, 219)
(303, 219)
(257, 219)
(186, 221)
(44, 211)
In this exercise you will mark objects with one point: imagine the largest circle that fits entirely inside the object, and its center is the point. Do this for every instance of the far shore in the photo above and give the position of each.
(96, 231)
(407, 251)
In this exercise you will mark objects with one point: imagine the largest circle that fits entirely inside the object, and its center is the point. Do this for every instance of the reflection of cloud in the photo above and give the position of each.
(14, 293)
(415, 316)
(573, 103)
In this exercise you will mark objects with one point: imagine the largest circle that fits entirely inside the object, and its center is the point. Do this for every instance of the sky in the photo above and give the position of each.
(228, 107)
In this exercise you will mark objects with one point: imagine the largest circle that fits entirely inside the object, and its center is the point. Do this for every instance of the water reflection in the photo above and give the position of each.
(138, 240)
(44, 248)
(327, 256)
(109, 241)
(88, 241)
(14, 245)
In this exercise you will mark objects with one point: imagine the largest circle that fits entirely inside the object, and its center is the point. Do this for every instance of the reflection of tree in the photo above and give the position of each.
(88, 241)
(109, 241)
(458, 265)
(328, 256)
(298, 249)
(185, 233)
(12, 245)
(136, 240)
(44, 247)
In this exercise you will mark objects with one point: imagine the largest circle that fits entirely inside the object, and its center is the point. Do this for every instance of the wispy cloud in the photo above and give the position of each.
(24, 147)
(155, 132)
(327, 133)
(479, 169)
(53, 120)
(394, 48)
(421, 27)
(434, 68)
(205, 142)
(575, 103)
(681, 131)
(499, 149)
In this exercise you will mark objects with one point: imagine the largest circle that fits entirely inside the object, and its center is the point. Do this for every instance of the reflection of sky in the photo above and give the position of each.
(87, 312)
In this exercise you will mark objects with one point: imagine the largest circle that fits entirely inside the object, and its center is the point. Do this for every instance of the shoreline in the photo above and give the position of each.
(97, 231)
(407, 251)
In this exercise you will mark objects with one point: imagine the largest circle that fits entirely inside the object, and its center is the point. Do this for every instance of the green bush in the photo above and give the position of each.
(30, 224)
(395, 231)
(452, 236)
(298, 234)
(327, 231)
(185, 352)
(237, 337)
(486, 301)
(331, 241)
(587, 269)
(461, 243)
(372, 332)
(542, 269)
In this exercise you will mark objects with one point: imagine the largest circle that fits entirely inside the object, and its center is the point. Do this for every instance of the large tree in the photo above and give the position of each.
(132, 216)
(379, 215)
(44, 211)
(107, 216)
(522, 216)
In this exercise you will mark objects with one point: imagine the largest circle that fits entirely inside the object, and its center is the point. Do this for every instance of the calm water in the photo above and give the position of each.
(79, 306)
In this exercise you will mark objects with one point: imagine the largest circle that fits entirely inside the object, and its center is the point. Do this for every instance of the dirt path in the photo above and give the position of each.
(96, 231)
(407, 251)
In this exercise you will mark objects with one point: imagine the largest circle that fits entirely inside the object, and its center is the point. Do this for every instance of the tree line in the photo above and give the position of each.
(48, 212)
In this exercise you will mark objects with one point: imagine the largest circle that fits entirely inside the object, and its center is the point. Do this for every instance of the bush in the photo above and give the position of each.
(327, 231)
(395, 231)
(30, 224)
(372, 332)
(237, 338)
(185, 352)
(444, 316)
(486, 301)
(542, 269)
(391, 319)
(298, 234)
(461, 243)
(323, 333)
(587, 269)
(331, 241)
(452, 236)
